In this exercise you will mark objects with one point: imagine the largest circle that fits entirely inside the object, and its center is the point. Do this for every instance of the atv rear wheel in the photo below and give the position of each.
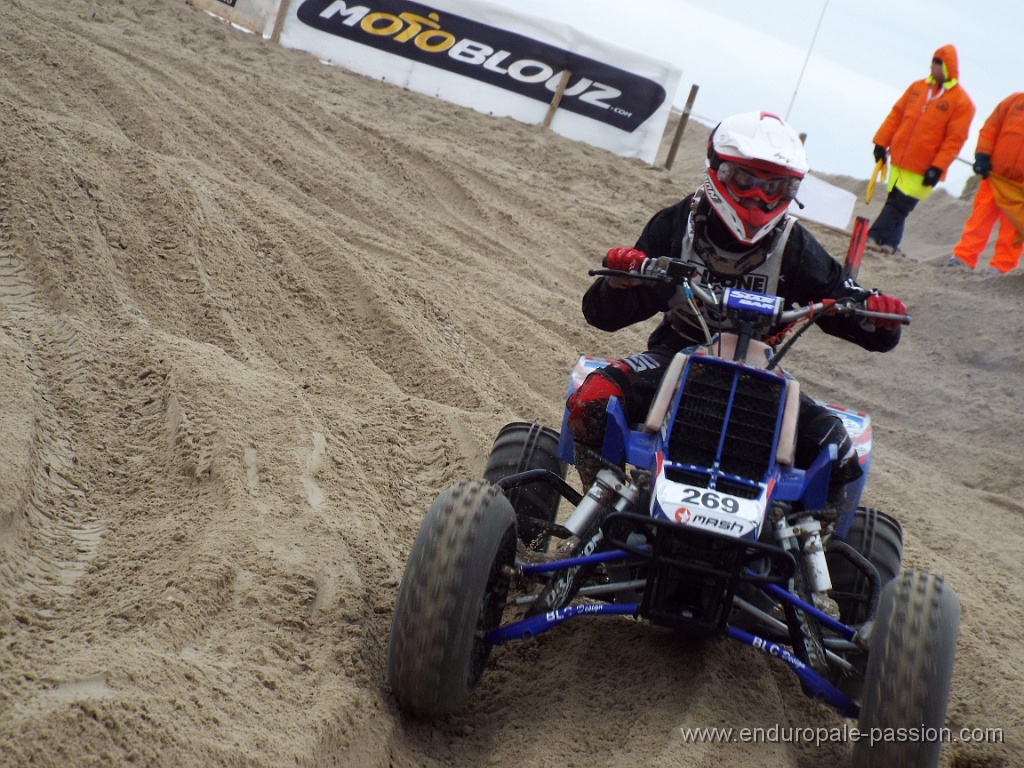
(520, 447)
(910, 666)
(453, 593)
(879, 538)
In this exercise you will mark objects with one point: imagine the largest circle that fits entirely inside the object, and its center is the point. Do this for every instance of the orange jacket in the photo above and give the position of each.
(1002, 138)
(921, 132)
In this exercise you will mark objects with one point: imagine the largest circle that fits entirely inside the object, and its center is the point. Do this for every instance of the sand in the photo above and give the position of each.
(257, 312)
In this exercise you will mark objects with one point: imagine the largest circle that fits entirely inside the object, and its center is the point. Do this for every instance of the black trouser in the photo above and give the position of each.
(888, 227)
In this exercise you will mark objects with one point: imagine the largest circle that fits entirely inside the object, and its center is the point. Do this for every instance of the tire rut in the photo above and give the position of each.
(52, 533)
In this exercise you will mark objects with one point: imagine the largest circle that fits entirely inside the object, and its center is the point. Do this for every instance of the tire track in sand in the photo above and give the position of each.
(48, 533)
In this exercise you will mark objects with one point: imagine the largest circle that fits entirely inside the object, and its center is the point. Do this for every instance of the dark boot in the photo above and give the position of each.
(843, 473)
(588, 464)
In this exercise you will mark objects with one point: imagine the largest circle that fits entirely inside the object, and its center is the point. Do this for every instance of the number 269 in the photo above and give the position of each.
(710, 500)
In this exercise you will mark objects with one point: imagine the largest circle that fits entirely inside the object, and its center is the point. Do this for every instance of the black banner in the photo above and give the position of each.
(491, 55)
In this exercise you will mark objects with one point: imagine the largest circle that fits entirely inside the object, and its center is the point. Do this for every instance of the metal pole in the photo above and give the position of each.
(804, 69)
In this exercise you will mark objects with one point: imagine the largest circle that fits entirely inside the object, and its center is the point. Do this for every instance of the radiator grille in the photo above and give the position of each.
(726, 418)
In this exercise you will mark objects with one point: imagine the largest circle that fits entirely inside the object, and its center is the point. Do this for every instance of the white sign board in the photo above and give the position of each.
(254, 15)
(495, 61)
(824, 203)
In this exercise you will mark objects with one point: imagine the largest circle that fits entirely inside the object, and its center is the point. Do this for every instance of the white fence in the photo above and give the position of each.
(484, 57)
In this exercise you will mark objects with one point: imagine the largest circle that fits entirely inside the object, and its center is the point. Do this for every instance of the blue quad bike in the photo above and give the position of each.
(698, 520)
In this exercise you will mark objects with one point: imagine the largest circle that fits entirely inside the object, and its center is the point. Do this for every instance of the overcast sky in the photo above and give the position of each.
(748, 55)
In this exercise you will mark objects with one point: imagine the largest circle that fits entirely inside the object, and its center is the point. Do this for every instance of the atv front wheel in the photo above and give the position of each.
(452, 594)
(910, 666)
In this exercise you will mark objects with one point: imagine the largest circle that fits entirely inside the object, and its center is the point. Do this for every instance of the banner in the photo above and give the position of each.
(491, 59)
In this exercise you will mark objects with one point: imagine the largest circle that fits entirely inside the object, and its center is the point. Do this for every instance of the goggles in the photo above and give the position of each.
(744, 183)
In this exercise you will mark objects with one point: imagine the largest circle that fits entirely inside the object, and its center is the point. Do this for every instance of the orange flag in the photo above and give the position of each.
(1009, 196)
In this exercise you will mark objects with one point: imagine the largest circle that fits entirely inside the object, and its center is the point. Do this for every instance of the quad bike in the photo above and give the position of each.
(698, 520)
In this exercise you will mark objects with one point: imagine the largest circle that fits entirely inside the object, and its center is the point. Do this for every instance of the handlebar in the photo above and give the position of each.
(672, 271)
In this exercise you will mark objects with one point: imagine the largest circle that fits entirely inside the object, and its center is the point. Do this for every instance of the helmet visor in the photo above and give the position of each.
(744, 183)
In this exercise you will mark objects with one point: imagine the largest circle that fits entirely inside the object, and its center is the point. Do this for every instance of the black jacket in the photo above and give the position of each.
(808, 274)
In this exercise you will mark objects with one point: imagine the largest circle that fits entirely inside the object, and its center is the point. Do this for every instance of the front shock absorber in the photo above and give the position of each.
(609, 493)
(804, 535)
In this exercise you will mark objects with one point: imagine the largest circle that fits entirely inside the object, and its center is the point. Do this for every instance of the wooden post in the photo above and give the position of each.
(683, 120)
(282, 11)
(558, 97)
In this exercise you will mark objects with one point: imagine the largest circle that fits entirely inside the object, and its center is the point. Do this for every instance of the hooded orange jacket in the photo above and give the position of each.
(921, 132)
(1002, 138)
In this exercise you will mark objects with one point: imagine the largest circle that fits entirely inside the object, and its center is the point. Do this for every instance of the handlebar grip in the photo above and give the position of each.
(904, 319)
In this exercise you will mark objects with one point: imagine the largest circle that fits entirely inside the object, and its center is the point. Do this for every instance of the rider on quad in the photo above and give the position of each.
(736, 232)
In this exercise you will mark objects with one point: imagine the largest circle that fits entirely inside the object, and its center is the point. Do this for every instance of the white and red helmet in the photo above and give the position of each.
(753, 170)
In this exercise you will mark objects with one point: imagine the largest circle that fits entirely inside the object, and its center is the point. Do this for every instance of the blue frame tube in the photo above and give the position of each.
(819, 686)
(533, 626)
(848, 633)
(557, 565)
(837, 626)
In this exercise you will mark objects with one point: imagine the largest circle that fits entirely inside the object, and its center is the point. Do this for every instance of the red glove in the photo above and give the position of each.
(888, 305)
(626, 259)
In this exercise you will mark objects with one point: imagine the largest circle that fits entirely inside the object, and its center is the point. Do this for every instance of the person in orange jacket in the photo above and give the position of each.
(922, 135)
(1000, 151)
